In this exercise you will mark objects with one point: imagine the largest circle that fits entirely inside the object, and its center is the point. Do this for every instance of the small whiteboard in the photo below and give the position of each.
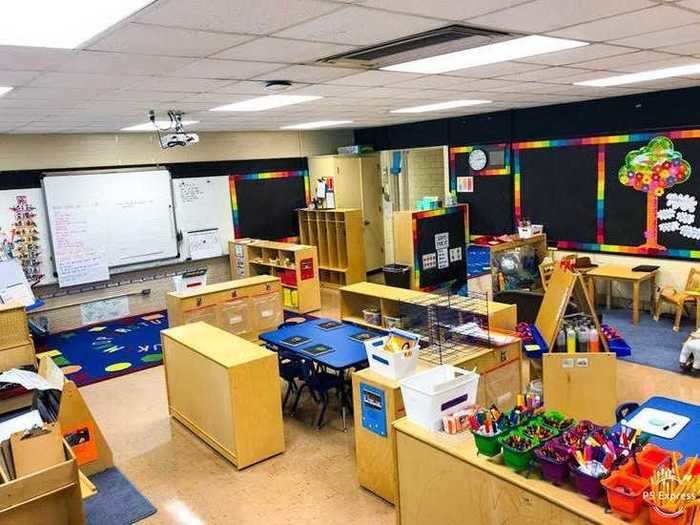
(204, 244)
(107, 219)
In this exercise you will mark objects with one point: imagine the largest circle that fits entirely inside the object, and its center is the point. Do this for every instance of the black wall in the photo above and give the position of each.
(659, 110)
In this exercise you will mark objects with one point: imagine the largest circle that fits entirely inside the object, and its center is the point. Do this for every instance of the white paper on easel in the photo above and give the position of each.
(204, 244)
(14, 287)
(658, 422)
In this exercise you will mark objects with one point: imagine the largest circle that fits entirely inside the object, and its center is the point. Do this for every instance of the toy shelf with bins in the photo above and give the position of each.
(296, 265)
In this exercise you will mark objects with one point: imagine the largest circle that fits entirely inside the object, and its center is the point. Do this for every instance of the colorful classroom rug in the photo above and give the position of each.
(95, 353)
(117, 501)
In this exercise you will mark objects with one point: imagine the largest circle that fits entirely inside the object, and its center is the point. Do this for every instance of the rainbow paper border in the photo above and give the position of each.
(417, 215)
(232, 179)
(488, 172)
(601, 142)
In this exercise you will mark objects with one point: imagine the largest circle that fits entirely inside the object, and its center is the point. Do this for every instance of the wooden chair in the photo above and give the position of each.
(679, 299)
(546, 270)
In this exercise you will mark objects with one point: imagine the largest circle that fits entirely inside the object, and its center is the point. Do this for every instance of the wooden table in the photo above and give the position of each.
(443, 480)
(614, 272)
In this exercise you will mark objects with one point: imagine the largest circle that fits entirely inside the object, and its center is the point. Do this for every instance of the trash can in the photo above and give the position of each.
(397, 275)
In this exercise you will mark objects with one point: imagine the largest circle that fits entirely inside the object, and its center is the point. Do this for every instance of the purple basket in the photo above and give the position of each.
(587, 485)
(555, 471)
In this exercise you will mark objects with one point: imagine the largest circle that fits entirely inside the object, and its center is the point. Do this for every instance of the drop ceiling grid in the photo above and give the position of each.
(196, 54)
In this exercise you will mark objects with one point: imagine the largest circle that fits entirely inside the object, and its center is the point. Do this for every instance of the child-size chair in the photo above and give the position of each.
(679, 299)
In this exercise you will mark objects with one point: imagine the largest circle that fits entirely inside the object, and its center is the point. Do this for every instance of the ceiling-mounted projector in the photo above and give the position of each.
(174, 134)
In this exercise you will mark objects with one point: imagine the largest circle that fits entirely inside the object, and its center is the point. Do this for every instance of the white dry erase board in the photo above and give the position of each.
(107, 219)
(203, 203)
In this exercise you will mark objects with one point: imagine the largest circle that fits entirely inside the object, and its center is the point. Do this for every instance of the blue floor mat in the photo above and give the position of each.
(117, 501)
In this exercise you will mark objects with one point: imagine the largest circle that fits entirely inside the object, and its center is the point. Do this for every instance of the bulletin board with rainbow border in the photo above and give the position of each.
(264, 205)
(634, 194)
(488, 192)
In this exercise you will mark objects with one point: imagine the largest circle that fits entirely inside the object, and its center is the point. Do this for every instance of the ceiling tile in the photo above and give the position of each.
(166, 41)
(225, 69)
(448, 9)
(327, 90)
(360, 26)
(659, 64)
(620, 62)
(496, 70)
(579, 54)
(16, 78)
(174, 84)
(236, 16)
(543, 74)
(374, 78)
(51, 93)
(141, 95)
(121, 63)
(282, 50)
(32, 58)
(690, 4)
(637, 23)
(430, 82)
(667, 37)
(245, 87)
(80, 80)
(689, 48)
(548, 15)
(307, 73)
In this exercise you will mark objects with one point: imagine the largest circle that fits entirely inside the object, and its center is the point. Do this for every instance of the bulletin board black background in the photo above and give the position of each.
(491, 203)
(266, 207)
(453, 224)
(626, 208)
(558, 188)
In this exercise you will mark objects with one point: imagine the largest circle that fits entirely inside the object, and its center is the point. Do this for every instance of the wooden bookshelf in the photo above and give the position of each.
(295, 264)
(338, 235)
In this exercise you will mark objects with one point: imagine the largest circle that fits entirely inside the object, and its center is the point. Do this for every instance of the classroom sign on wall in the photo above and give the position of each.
(630, 194)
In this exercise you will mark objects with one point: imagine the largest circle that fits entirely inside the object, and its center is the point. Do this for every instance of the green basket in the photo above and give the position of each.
(553, 414)
(487, 445)
(553, 432)
(517, 459)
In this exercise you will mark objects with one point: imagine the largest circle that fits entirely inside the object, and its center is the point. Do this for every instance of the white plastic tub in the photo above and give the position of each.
(394, 365)
(436, 392)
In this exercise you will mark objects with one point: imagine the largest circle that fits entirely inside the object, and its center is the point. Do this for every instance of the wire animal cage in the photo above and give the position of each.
(451, 327)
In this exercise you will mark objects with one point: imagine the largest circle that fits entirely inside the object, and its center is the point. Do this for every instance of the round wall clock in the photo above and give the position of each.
(478, 159)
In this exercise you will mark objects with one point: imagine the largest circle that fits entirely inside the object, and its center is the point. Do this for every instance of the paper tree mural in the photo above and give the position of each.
(653, 169)
(26, 239)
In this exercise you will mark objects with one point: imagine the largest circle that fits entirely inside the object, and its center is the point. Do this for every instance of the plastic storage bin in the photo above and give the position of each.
(267, 311)
(487, 445)
(394, 365)
(554, 470)
(233, 317)
(514, 458)
(659, 517)
(392, 322)
(397, 275)
(589, 486)
(625, 493)
(436, 392)
(372, 316)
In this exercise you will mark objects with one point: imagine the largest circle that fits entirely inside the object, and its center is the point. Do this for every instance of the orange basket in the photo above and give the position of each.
(625, 493)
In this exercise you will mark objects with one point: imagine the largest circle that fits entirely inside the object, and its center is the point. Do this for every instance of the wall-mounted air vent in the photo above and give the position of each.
(443, 40)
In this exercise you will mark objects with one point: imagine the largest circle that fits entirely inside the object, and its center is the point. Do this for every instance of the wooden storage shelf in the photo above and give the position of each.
(338, 235)
(14, 330)
(244, 308)
(226, 390)
(250, 257)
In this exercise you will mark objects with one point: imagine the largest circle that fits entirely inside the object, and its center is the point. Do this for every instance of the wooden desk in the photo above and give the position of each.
(614, 272)
(442, 480)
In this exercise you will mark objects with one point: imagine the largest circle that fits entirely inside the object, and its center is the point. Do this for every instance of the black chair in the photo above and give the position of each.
(319, 382)
(290, 371)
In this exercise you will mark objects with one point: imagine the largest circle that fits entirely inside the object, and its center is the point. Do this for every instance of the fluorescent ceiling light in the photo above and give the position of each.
(61, 24)
(4, 90)
(318, 124)
(526, 46)
(440, 106)
(268, 102)
(163, 124)
(642, 76)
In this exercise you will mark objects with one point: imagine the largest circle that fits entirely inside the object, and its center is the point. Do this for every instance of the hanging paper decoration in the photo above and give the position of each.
(652, 169)
(25, 239)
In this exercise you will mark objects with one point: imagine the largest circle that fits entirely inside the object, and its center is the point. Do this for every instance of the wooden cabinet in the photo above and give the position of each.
(244, 308)
(443, 480)
(14, 330)
(338, 236)
(374, 453)
(226, 390)
(357, 184)
(295, 264)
